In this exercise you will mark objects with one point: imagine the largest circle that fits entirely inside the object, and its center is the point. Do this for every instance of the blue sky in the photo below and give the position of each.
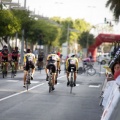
(93, 11)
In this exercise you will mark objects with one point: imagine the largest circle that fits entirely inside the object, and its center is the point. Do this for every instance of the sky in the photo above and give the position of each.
(92, 11)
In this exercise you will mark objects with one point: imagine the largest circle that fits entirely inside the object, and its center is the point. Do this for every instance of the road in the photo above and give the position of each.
(38, 104)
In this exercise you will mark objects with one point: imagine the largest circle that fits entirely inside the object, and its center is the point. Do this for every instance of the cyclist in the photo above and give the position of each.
(4, 56)
(71, 62)
(15, 57)
(40, 60)
(29, 59)
(54, 61)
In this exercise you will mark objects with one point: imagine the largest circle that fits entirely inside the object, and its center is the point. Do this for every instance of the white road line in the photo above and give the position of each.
(10, 96)
(96, 86)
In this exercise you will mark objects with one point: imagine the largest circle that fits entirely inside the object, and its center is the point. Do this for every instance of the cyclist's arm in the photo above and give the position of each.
(77, 63)
(66, 65)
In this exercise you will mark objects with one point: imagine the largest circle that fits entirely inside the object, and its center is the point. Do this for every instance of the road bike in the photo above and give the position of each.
(13, 71)
(28, 78)
(71, 84)
(4, 71)
(50, 83)
(87, 69)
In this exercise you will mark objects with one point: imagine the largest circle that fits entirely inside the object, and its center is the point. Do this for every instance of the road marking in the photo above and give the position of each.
(10, 96)
(12, 81)
(97, 86)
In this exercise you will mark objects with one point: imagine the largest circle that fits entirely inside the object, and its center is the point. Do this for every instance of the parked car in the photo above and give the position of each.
(104, 58)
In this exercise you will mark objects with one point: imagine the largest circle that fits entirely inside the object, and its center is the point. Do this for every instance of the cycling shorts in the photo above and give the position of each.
(71, 66)
(15, 59)
(5, 59)
(51, 66)
(29, 65)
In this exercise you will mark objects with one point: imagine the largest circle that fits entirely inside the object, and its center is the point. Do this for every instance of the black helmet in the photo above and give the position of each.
(28, 50)
(73, 55)
(5, 46)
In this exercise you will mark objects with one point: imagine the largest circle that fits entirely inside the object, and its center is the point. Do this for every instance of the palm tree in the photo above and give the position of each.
(115, 7)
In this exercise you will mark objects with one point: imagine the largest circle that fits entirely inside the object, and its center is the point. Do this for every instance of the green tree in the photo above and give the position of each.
(9, 24)
(114, 6)
(86, 37)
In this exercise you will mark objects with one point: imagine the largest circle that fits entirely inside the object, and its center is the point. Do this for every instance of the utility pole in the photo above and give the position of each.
(22, 43)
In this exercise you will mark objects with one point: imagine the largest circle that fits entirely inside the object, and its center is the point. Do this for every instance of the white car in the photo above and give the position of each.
(104, 58)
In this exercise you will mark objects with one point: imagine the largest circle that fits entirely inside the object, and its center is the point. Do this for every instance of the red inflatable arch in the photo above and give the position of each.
(100, 39)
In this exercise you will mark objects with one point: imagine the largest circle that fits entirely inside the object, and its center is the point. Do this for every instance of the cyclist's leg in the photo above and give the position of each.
(25, 74)
(24, 78)
(53, 75)
(46, 71)
(6, 64)
(67, 72)
(75, 75)
(33, 70)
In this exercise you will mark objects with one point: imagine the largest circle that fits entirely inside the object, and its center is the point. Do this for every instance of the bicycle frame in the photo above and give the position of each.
(28, 78)
(71, 79)
(13, 69)
(4, 69)
(50, 79)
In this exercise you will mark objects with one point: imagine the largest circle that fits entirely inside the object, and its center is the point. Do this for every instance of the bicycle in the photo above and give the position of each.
(13, 71)
(4, 71)
(50, 83)
(87, 68)
(71, 84)
(28, 78)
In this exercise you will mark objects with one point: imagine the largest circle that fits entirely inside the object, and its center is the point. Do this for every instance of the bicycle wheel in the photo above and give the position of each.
(50, 83)
(27, 84)
(3, 71)
(91, 71)
(12, 74)
(71, 84)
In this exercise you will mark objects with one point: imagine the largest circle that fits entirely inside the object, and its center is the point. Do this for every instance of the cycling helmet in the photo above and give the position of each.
(16, 48)
(73, 55)
(28, 50)
(5, 46)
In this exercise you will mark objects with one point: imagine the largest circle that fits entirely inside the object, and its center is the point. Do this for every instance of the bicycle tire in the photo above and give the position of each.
(3, 74)
(91, 71)
(71, 83)
(3, 71)
(50, 83)
(12, 74)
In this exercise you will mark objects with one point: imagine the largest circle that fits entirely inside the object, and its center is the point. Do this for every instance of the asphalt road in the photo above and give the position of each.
(38, 104)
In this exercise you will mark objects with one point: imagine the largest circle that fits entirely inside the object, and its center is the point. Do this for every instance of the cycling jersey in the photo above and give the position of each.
(29, 57)
(4, 54)
(72, 62)
(14, 55)
(29, 60)
(52, 61)
(53, 57)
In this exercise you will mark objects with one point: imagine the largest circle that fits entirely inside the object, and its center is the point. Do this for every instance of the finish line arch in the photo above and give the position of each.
(101, 38)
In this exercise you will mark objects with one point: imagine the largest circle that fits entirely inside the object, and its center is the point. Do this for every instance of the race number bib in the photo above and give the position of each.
(29, 58)
(54, 57)
(72, 62)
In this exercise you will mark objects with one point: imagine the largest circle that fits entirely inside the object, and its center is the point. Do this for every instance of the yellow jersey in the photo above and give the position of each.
(29, 57)
(72, 60)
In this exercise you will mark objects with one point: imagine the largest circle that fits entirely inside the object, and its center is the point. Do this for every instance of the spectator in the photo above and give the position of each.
(115, 71)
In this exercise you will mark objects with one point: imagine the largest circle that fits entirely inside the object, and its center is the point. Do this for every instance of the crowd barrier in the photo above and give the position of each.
(111, 100)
